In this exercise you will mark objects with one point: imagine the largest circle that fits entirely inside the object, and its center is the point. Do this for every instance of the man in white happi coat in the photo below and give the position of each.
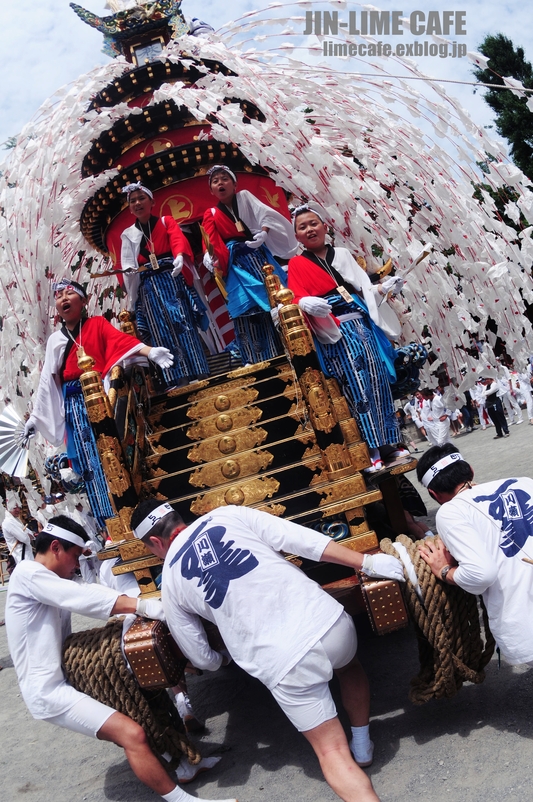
(40, 600)
(18, 537)
(485, 544)
(277, 624)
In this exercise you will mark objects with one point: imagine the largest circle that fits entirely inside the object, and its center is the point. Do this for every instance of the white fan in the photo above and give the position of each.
(13, 446)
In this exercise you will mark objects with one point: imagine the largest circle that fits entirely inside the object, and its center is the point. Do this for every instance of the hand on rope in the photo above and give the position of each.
(436, 555)
(257, 241)
(161, 356)
(383, 566)
(311, 305)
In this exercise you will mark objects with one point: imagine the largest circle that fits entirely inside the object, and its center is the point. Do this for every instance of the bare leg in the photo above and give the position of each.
(340, 770)
(355, 692)
(124, 732)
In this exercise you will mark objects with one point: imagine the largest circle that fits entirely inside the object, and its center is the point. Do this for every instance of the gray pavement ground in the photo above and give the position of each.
(477, 747)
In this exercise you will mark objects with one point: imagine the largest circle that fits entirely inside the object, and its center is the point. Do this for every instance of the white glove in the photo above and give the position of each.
(178, 265)
(257, 241)
(29, 430)
(209, 263)
(161, 356)
(393, 285)
(312, 305)
(383, 565)
(274, 314)
(150, 608)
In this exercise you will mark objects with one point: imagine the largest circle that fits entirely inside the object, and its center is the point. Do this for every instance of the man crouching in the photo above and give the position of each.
(40, 599)
(277, 624)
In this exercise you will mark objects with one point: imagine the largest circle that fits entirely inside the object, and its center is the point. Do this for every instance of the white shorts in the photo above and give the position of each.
(303, 694)
(86, 717)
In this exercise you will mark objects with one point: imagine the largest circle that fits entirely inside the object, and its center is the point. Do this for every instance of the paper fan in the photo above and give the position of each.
(13, 453)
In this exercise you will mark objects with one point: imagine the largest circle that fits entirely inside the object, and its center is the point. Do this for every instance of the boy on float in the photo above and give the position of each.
(159, 277)
(352, 324)
(243, 235)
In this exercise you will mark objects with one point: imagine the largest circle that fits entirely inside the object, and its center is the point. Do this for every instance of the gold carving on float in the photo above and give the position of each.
(187, 388)
(311, 452)
(339, 464)
(226, 445)
(225, 387)
(234, 496)
(221, 403)
(350, 431)
(295, 332)
(235, 374)
(243, 440)
(320, 408)
(224, 423)
(230, 469)
(115, 473)
(133, 549)
(290, 391)
(365, 498)
(125, 514)
(154, 472)
(359, 455)
(115, 529)
(360, 529)
(126, 323)
(247, 493)
(343, 489)
(212, 426)
(361, 543)
(216, 473)
(274, 509)
(272, 284)
(140, 566)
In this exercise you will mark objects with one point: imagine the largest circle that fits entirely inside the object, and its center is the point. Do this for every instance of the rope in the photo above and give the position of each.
(94, 664)
(447, 621)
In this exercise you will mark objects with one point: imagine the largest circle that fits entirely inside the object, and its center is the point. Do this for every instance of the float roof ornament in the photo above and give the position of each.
(134, 20)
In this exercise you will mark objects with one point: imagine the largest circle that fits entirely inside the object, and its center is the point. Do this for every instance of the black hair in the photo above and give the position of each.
(163, 528)
(449, 478)
(44, 539)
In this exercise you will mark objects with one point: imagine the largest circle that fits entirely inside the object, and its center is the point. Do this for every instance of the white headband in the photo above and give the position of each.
(151, 520)
(439, 466)
(64, 534)
(216, 168)
(306, 208)
(137, 187)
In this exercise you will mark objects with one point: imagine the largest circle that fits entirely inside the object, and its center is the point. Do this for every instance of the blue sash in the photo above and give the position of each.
(245, 280)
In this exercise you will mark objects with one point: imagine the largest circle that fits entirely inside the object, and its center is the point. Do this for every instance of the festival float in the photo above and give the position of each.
(277, 435)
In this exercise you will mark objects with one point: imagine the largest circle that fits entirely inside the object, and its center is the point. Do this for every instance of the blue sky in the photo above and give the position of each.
(45, 45)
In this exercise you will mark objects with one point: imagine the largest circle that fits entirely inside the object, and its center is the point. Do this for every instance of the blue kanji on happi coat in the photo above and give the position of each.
(513, 510)
(214, 562)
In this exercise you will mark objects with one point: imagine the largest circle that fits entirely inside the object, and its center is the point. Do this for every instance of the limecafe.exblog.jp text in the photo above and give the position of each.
(389, 23)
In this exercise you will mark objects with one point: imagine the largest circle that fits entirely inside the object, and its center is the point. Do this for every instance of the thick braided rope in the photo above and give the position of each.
(94, 664)
(450, 642)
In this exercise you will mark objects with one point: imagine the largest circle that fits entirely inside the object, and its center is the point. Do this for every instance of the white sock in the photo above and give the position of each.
(361, 746)
(179, 795)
